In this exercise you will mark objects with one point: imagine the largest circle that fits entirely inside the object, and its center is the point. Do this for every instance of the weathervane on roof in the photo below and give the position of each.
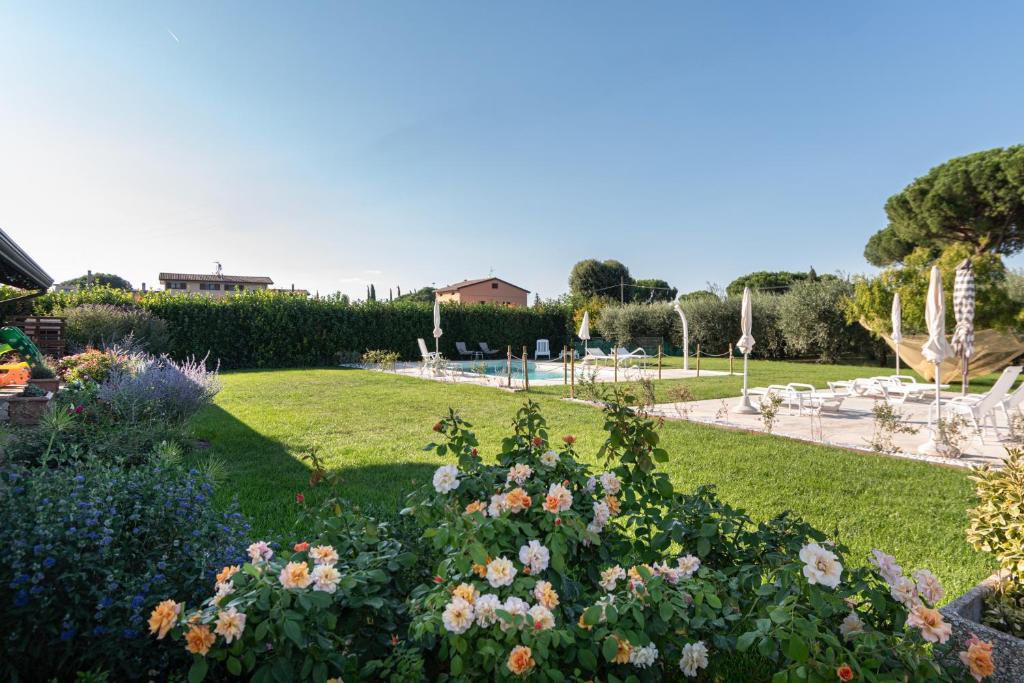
(220, 268)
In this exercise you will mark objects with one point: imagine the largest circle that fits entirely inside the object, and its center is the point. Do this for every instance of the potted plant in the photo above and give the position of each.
(994, 610)
(28, 407)
(44, 376)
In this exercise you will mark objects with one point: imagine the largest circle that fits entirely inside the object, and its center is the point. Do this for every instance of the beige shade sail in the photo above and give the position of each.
(993, 351)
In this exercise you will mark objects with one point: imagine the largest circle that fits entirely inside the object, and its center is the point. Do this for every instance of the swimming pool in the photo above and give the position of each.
(498, 368)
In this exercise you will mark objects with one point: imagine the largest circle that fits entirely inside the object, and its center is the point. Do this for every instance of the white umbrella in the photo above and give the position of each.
(584, 332)
(897, 327)
(746, 345)
(963, 309)
(686, 336)
(437, 325)
(936, 349)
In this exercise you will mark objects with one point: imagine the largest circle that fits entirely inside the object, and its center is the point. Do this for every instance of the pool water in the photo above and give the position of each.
(498, 368)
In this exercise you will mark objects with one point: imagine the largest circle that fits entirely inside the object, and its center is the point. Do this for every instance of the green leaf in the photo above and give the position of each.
(779, 615)
(609, 648)
(714, 600)
(294, 633)
(592, 616)
(197, 672)
(587, 660)
(456, 665)
(745, 640)
(234, 666)
(703, 547)
(796, 649)
(665, 611)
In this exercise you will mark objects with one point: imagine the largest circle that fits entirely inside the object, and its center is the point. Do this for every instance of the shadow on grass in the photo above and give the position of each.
(265, 474)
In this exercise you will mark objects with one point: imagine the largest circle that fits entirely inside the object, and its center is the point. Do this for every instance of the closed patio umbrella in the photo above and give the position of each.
(963, 309)
(746, 345)
(584, 332)
(437, 326)
(686, 337)
(897, 327)
(936, 349)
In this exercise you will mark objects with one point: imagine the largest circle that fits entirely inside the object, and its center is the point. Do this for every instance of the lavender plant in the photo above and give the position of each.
(159, 387)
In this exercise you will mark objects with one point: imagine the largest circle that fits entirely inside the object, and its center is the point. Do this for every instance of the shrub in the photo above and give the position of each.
(148, 387)
(626, 324)
(88, 552)
(91, 366)
(329, 606)
(104, 326)
(714, 323)
(561, 573)
(995, 528)
(270, 329)
(812, 319)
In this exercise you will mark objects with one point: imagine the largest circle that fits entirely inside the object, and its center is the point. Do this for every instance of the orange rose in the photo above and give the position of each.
(844, 672)
(301, 547)
(199, 639)
(227, 573)
(569, 439)
(552, 504)
(480, 570)
(520, 660)
(163, 617)
(613, 504)
(978, 658)
(476, 506)
(517, 500)
(622, 654)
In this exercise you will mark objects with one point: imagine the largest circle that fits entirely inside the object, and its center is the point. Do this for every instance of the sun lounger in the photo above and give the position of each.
(465, 352)
(487, 351)
(980, 413)
(596, 354)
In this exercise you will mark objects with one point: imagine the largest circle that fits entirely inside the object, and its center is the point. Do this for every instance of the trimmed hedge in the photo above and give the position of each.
(267, 329)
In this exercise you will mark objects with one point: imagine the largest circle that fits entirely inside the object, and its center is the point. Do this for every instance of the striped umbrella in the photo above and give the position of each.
(963, 309)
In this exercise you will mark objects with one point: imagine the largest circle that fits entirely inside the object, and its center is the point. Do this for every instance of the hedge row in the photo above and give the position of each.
(265, 329)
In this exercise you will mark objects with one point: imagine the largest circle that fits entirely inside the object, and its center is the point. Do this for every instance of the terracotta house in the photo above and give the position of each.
(487, 290)
(215, 285)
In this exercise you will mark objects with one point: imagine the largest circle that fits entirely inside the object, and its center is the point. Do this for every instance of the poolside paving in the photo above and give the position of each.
(849, 427)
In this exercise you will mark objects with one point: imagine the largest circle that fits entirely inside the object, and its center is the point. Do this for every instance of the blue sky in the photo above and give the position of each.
(332, 145)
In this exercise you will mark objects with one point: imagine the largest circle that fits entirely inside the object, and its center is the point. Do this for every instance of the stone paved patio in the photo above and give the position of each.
(849, 427)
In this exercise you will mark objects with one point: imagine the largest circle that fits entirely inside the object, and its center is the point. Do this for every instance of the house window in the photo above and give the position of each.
(209, 286)
(176, 285)
(494, 285)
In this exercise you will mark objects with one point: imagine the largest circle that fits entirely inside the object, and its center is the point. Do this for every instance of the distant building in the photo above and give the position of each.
(487, 290)
(215, 285)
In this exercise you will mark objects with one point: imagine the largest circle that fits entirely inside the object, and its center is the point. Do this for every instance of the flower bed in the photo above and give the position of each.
(538, 567)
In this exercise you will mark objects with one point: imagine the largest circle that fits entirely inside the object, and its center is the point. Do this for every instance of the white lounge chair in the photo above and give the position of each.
(918, 389)
(1013, 370)
(623, 353)
(596, 354)
(543, 348)
(427, 355)
(893, 393)
(982, 412)
(1012, 403)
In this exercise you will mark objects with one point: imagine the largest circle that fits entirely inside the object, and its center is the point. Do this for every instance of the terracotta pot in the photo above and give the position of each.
(51, 384)
(27, 410)
(964, 615)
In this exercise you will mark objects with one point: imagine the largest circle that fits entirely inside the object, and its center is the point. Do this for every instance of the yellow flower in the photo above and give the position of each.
(622, 654)
(162, 619)
(295, 575)
(520, 660)
(467, 592)
(230, 624)
(480, 570)
(517, 500)
(226, 573)
(199, 639)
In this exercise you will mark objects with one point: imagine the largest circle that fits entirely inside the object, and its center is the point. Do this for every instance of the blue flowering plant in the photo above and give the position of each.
(90, 550)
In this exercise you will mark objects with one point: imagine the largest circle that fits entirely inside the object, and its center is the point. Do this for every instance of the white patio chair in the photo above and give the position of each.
(427, 355)
(543, 348)
(980, 412)
(1012, 403)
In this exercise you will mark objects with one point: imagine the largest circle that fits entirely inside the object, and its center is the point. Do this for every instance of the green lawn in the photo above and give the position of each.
(371, 426)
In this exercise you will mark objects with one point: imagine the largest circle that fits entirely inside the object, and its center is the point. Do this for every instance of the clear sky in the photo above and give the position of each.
(410, 143)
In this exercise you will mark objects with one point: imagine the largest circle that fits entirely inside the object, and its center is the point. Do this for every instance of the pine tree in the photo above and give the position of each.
(399, 290)
(373, 293)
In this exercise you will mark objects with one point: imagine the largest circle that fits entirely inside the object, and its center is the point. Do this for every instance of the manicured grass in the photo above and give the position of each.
(370, 427)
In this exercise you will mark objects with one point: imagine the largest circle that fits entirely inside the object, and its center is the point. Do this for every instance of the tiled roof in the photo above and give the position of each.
(468, 283)
(237, 279)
